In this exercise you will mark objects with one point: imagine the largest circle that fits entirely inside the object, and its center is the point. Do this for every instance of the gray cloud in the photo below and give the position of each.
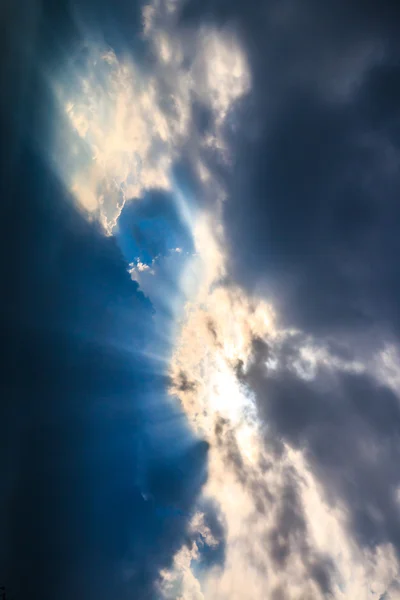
(316, 159)
(289, 536)
(312, 224)
(348, 426)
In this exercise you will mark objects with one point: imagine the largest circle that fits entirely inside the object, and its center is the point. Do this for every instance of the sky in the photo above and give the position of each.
(200, 372)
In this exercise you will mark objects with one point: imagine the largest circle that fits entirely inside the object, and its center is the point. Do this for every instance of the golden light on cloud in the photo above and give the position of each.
(131, 124)
(115, 112)
(221, 323)
(250, 482)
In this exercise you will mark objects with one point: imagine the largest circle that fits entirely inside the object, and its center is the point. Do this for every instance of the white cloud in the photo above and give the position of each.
(386, 365)
(115, 109)
(247, 479)
(132, 124)
(222, 71)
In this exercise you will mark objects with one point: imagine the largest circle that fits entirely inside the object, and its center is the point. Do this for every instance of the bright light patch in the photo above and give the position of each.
(113, 108)
(225, 397)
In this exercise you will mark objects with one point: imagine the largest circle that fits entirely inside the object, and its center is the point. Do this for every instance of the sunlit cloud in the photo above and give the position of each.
(128, 124)
(115, 110)
(283, 538)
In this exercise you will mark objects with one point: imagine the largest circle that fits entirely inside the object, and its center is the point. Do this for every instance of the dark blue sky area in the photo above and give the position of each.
(93, 481)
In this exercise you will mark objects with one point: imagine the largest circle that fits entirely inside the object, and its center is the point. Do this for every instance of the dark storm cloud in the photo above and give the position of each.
(313, 217)
(348, 426)
(322, 233)
(313, 223)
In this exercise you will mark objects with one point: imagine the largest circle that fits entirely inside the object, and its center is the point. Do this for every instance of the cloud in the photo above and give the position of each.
(128, 120)
(209, 350)
(361, 468)
(315, 154)
(310, 223)
(317, 238)
(205, 548)
(129, 140)
(297, 426)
